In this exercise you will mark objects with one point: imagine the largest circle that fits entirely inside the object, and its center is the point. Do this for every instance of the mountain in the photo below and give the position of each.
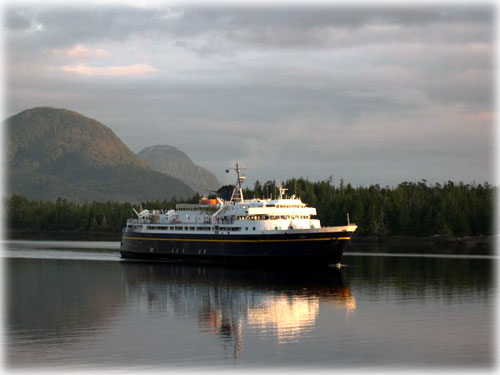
(171, 161)
(54, 153)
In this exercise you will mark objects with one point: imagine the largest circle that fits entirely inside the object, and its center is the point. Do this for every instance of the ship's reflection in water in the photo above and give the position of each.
(289, 317)
(227, 301)
(377, 310)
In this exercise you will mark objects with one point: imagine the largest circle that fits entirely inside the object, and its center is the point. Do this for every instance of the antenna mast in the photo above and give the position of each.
(281, 189)
(237, 195)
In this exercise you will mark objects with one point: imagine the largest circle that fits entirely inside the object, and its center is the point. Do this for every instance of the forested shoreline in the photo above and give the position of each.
(408, 209)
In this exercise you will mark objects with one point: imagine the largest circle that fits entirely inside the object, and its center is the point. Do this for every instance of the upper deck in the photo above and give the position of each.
(233, 215)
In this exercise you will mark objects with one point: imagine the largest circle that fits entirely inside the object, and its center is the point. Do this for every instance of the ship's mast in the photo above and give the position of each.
(281, 189)
(237, 195)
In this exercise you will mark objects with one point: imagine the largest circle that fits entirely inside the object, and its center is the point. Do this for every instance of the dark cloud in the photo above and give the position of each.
(17, 20)
(312, 17)
(273, 25)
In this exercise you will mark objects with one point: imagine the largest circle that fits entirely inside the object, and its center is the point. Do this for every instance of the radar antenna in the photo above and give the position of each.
(237, 195)
(281, 189)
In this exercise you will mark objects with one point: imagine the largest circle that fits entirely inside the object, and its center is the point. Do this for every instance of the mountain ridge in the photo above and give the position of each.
(174, 162)
(57, 153)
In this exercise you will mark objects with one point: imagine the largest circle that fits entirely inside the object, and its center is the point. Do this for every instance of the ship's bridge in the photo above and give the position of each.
(286, 203)
(293, 207)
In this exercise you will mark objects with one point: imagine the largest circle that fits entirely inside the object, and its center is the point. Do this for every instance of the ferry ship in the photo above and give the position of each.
(231, 228)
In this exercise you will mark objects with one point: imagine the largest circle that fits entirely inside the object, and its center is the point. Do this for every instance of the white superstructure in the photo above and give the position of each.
(234, 216)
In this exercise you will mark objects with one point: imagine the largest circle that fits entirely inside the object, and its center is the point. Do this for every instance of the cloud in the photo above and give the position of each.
(307, 89)
(112, 71)
(17, 21)
(273, 26)
(80, 51)
(172, 14)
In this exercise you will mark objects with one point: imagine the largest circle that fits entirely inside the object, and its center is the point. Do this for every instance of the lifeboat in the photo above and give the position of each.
(207, 202)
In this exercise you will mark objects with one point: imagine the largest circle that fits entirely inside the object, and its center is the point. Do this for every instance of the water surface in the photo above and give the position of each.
(77, 305)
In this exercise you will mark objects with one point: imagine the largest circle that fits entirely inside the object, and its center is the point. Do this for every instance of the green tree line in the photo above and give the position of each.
(410, 208)
(66, 215)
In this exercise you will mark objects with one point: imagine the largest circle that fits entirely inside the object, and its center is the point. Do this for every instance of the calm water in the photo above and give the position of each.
(72, 304)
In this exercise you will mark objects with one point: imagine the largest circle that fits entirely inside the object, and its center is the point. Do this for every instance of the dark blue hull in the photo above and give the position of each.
(317, 247)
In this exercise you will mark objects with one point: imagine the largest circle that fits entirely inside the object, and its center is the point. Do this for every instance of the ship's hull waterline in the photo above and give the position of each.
(318, 248)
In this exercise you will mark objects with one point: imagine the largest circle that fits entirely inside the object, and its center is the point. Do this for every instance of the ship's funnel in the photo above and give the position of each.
(225, 192)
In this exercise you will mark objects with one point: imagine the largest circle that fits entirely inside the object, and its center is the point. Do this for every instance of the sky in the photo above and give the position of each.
(373, 93)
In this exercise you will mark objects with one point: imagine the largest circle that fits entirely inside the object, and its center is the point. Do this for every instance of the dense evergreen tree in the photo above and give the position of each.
(409, 208)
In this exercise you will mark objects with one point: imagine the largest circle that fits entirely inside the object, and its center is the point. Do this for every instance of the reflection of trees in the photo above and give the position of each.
(59, 298)
(420, 277)
(224, 300)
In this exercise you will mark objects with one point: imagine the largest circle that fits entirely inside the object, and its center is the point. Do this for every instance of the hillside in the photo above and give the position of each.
(54, 153)
(171, 161)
